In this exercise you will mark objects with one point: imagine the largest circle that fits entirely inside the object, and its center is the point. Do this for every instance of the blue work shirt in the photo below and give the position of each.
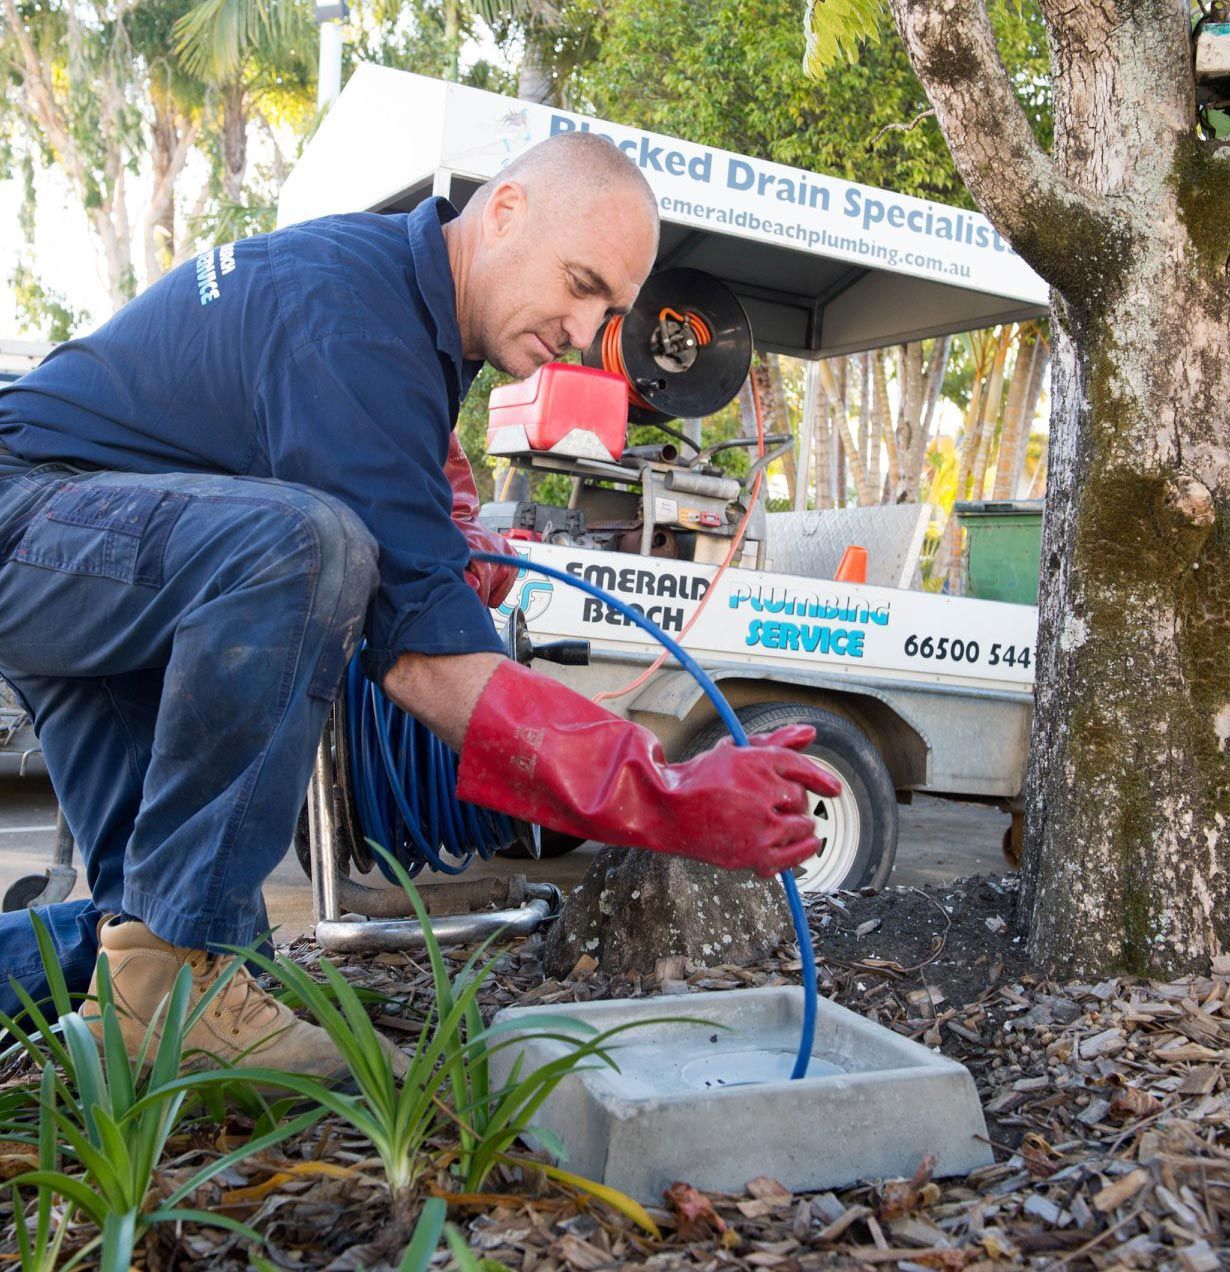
(326, 353)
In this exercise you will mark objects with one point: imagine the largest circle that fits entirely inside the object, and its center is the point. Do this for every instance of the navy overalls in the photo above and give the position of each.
(203, 506)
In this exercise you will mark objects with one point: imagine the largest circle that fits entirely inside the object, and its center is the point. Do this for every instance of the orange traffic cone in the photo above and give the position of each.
(853, 567)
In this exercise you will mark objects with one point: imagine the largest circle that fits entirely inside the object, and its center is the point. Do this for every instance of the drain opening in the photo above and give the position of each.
(750, 1068)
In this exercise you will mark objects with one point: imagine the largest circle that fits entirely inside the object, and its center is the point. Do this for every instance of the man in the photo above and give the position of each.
(206, 503)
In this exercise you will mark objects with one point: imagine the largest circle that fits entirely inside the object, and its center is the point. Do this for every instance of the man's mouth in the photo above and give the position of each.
(546, 348)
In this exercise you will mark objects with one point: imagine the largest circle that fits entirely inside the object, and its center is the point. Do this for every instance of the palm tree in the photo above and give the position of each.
(244, 51)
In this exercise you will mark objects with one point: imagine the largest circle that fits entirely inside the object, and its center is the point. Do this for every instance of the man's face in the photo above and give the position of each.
(551, 276)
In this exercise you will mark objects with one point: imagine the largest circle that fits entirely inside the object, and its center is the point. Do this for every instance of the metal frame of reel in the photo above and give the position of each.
(456, 908)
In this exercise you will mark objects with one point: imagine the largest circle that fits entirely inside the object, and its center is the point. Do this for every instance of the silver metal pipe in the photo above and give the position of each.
(700, 484)
(322, 835)
(466, 895)
(659, 453)
(449, 929)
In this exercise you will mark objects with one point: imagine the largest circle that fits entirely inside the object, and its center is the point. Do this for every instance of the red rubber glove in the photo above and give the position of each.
(539, 751)
(491, 582)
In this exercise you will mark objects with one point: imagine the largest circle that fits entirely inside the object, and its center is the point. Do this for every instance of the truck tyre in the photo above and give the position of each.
(858, 829)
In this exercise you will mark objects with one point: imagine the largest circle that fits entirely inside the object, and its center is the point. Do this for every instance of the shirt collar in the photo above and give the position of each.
(435, 280)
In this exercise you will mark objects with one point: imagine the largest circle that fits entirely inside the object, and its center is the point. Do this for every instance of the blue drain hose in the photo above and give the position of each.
(414, 810)
(731, 721)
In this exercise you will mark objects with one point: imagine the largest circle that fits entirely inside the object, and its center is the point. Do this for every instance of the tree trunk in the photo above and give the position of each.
(990, 415)
(933, 383)
(863, 361)
(535, 82)
(95, 168)
(1126, 864)
(822, 452)
(880, 422)
(1007, 463)
(841, 425)
(948, 554)
(909, 377)
(1037, 480)
(1138, 782)
(234, 141)
(171, 140)
(1033, 391)
(632, 909)
(779, 419)
(452, 40)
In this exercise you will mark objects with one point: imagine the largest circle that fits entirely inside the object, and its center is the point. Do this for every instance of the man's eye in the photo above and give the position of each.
(580, 288)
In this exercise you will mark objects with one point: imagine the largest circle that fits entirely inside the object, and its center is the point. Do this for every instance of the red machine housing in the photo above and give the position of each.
(559, 399)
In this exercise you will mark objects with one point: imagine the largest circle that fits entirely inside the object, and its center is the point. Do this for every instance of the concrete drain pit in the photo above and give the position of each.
(710, 1101)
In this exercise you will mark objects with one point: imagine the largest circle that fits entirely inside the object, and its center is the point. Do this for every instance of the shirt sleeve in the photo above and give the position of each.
(368, 420)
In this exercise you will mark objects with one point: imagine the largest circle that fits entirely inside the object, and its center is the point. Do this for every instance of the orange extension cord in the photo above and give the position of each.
(735, 544)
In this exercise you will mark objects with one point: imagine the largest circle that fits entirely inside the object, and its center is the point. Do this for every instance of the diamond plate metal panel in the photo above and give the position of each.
(811, 543)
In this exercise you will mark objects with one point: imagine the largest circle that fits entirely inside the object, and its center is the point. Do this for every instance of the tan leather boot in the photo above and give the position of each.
(243, 1025)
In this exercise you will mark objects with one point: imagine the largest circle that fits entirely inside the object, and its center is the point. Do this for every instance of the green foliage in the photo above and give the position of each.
(836, 29)
(215, 39)
(730, 74)
(111, 1114)
(42, 310)
(100, 1119)
(426, 1238)
(225, 222)
(398, 1116)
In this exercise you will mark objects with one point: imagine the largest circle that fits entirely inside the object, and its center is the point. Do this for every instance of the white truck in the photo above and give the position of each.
(908, 691)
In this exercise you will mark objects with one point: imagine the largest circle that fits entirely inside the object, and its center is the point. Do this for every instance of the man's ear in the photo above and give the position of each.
(504, 211)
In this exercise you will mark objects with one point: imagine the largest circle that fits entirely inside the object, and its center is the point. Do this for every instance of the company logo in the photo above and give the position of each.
(531, 592)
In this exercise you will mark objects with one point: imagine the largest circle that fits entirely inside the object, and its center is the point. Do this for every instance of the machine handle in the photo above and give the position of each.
(568, 653)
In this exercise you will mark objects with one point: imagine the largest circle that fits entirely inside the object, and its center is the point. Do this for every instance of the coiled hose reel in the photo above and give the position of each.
(395, 780)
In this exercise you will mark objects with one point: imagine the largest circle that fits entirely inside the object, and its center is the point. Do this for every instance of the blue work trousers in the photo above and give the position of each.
(177, 640)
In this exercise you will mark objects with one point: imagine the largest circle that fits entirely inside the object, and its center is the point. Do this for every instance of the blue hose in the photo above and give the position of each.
(737, 732)
(413, 811)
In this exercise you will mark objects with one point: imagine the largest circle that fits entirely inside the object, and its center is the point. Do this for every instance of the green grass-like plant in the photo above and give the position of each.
(100, 1120)
(399, 1116)
(105, 1117)
(448, 1081)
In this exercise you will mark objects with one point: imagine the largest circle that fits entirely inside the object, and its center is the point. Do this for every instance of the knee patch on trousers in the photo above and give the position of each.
(350, 574)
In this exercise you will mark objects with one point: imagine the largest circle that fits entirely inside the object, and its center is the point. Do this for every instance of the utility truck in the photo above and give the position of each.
(908, 691)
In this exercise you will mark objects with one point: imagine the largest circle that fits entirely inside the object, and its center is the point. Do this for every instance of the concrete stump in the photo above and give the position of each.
(633, 908)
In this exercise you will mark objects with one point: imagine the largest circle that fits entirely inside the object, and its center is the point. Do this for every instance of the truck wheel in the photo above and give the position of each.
(858, 828)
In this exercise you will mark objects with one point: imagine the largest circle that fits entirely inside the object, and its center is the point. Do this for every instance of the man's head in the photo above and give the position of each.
(545, 252)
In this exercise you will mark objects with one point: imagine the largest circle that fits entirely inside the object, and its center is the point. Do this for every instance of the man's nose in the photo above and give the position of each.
(581, 326)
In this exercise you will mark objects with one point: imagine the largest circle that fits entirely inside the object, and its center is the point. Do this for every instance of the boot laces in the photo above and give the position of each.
(243, 1000)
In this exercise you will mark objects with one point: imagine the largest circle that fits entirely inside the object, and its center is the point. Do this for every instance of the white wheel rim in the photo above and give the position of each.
(838, 827)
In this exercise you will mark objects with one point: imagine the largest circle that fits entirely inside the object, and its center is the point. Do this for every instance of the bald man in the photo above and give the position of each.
(208, 502)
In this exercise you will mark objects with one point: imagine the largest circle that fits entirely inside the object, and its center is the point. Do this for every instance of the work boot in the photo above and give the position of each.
(243, 1026)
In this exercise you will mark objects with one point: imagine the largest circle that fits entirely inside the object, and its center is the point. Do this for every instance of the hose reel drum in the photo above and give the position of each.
(685, 347)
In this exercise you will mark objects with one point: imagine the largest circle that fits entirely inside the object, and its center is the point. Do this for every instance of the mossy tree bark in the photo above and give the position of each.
(1126, 857)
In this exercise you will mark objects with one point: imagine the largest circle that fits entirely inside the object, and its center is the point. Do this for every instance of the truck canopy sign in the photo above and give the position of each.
(391, 133)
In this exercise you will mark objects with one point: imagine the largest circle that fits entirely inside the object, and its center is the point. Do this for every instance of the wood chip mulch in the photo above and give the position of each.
(1107, 1104)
